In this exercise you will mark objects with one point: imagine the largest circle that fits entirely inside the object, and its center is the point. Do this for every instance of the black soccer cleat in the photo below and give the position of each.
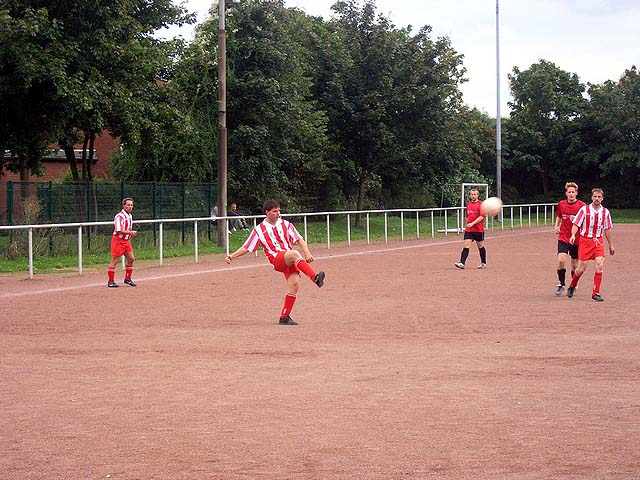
(287, 321)
(597, 298)
(319, 279)
(129, 282)
(570, 291)
(559, 290)
(112, 285)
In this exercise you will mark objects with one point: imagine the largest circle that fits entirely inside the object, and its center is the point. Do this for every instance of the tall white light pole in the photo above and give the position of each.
(498, 125)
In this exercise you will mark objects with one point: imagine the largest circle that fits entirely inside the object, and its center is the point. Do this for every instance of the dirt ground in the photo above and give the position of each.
(401, 367)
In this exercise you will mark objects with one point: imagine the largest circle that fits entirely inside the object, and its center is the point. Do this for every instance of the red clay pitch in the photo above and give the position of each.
(401, 367)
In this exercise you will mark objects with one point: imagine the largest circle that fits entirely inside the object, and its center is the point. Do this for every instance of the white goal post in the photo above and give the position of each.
(464, 192)
(464, 197)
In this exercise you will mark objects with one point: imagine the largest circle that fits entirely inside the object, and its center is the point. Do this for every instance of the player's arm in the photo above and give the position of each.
(305, 250)
(574, 230)
(238, 253)
(119, 229)
(607, 235)
(476, 221)
(556, 226)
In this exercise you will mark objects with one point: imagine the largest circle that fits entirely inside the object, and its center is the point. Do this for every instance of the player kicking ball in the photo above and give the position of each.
(277, 236)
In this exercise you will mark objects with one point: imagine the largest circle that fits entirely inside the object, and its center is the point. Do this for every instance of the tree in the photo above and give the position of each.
(30, 64)
(277, 133)
(546, 109)
(88, 65)
(615, 140)
(393, 107)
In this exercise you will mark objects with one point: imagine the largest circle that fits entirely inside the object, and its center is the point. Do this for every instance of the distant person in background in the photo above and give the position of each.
(236, 223)
(277, 237)
(474, 231)
(121, 244)
(214, 213)
(594, 224)
(565, 213)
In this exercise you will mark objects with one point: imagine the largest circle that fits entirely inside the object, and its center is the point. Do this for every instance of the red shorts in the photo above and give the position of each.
(281, 266)
(119, 246)
(590, 248)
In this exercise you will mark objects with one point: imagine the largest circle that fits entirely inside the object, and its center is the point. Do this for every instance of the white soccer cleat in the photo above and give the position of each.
(459, 265)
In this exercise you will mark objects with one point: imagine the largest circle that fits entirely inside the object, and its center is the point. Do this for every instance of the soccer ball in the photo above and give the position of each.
(491, 207)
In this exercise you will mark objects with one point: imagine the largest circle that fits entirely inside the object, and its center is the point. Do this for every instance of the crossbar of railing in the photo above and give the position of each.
(460, 215)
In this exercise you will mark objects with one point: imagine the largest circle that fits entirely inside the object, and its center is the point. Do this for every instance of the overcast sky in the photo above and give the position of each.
(596, 39)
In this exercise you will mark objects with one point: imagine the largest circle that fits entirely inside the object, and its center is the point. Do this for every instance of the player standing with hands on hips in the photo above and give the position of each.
(474, 231)
(277, 236)
(594, 222)
(565, 213)
(121, 244)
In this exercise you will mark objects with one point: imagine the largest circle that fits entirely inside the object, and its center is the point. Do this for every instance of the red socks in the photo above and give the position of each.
(574, 280)
(127, 273)
(111, 272)
(289, 300)
(597, 281)
(305, 268)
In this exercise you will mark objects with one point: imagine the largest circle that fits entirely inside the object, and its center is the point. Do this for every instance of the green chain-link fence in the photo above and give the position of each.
(23, 203)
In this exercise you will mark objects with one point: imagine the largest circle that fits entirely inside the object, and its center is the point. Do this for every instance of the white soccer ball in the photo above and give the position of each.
(491, 207)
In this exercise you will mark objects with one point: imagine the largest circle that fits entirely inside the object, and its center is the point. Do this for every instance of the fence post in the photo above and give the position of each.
(80, 249)
(210, 199)
(50, 209)
(86, 202)
(50, 212)
(31, 253)
(9, 202)
(184, 201)
(153, 209)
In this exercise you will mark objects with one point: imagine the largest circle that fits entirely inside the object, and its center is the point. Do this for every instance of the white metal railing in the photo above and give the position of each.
(525, 210)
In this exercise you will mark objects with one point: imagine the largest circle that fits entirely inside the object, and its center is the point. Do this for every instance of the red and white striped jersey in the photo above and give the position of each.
(272, 238)
(592, 222)
(122, 221)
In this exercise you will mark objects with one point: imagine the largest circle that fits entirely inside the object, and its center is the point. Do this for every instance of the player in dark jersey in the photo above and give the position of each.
(474, 231)
(565, 213)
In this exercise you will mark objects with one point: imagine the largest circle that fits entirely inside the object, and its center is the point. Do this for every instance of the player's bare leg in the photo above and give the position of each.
(128, 269)
(111, 273)
(464, 254)
(292, 257)
(483, 255)
(582, 266)
(597, 280)
(562, 272)
(293, 284)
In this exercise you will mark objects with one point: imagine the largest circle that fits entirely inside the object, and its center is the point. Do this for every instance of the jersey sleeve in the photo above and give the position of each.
(608, 223)
(118, 223)
(294, 235)
(580, 216)
(252, 243)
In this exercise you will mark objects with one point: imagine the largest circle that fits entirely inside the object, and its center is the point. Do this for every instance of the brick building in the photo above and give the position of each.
(56, 166)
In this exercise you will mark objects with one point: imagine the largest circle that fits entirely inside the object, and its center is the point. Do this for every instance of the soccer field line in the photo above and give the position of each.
(244, 267)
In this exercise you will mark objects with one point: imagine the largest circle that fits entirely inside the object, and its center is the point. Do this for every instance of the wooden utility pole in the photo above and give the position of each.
(222, 126)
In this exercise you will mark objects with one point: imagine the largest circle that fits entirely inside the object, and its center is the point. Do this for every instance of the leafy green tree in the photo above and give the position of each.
(546, 112)
(393, 107)
(90, 62)
(615, 138)
(30, 70)
(277, 133)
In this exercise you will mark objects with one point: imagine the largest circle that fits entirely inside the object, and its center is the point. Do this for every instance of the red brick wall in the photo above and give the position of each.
(105, 146)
